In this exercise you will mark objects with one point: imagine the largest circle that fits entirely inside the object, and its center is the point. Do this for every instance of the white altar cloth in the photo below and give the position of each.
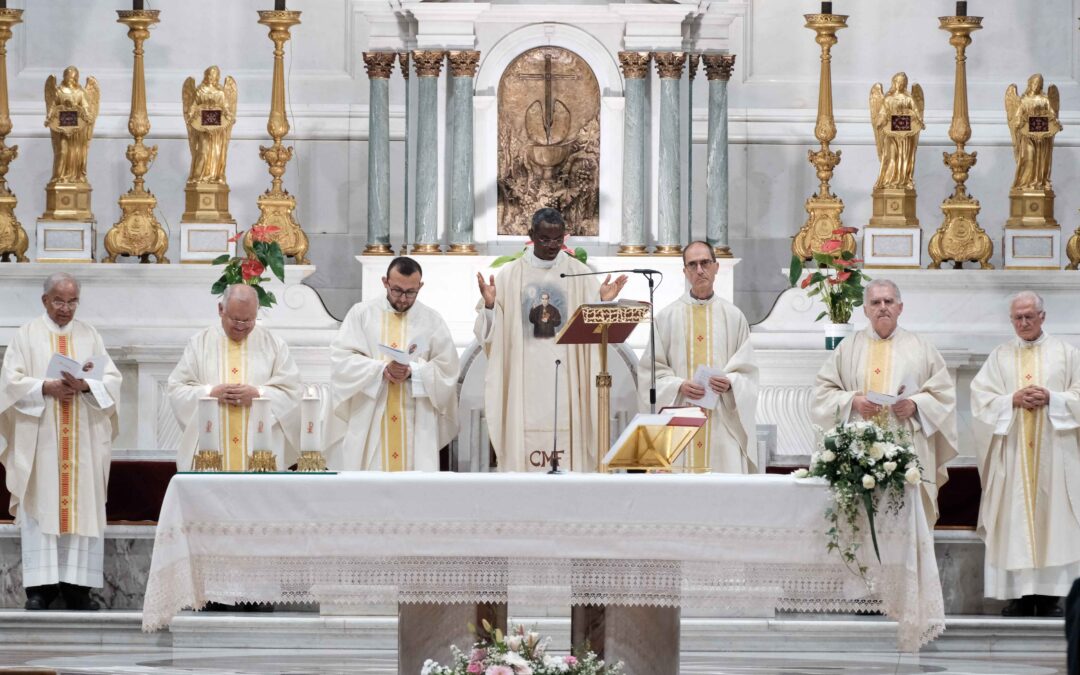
(706, 541)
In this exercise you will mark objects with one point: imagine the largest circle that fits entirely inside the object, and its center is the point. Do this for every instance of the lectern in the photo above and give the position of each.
(603, 323)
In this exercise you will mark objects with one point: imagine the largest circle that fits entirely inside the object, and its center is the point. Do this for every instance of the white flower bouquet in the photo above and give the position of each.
(862, 462)
(519, 653)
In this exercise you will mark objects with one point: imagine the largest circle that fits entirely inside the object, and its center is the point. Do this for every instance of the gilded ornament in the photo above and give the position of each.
(138, 232)
(428, 62)
(13, 239)
(718, 66)
(897, 117)
(70, 113)
(1033, 123)
(692, 61)
(379, 65)
(463, 63)
(635, 65)
(210, 113)
(669, 65)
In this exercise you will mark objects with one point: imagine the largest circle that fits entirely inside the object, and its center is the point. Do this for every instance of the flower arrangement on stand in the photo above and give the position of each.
(520, 652)
(263, 255)
(837, 281)
(864, 463)
(579, 253)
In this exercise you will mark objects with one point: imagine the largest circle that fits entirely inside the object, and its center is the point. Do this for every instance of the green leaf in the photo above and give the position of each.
(581, 254)
(795, 270)
(868, 502)
(219, 287)
(276, 263)
(820, 316)
(266, 298)
(221, 259)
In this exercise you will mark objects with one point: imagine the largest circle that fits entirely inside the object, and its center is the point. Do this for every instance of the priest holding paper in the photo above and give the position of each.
(515, 326)
(394, 380)
(1026, 404)
(884, 367)
(249, 379)
(704, 358)
(58, 393)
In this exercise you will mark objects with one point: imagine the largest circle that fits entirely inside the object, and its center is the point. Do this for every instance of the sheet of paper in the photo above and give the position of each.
(92, 369)
(905, 391)
(701, 378)
(404, 356)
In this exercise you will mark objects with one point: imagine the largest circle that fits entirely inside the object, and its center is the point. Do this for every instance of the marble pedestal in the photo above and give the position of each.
(427, 631)
(895, 247)
(1029, 248)
(65, 240)
(645, 639)
(203, 242)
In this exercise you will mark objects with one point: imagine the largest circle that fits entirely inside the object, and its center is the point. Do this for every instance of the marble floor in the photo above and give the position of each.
(370, 662)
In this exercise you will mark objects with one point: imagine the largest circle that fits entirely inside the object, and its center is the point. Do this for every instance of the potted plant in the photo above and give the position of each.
(837, 282)
(264, 254)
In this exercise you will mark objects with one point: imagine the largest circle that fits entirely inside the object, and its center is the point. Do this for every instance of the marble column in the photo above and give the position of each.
(718, 69)
(670, 67)
(428, 65)
(462, 70)
(379, 65)
(635, 67)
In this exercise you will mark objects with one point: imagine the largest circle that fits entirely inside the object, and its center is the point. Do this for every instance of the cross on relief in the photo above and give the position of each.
(700, 338)
(549, 100)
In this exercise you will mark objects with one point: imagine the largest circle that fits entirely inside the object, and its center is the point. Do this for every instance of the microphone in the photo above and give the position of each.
(555, 431)
(564, 275)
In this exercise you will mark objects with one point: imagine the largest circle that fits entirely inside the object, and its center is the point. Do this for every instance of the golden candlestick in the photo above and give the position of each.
(276, 205)
(138, 232)
(960, 239)
(824, 208)
(13, 239)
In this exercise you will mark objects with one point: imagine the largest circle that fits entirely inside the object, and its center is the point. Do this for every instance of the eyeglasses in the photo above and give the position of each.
(61, 304)
(239, 322)
(1026, 318)
(700, 264)
(399, 292)
(544, 241)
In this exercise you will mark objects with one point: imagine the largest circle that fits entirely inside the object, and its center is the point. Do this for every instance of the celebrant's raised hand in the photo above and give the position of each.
(609, 290)
(865, 407)
(904, 409)
(691, 390)
(487, 289)
(721, 385)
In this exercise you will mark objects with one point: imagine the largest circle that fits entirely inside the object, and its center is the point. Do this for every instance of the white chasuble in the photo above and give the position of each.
(378, 425)
(712, 333)
(57, 454)
(864, 363)
(532, 304)
(261, 360)
(1029, 463)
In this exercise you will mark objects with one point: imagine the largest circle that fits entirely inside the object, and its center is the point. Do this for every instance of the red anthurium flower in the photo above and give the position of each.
(806, 281)
(843, 276)
(236, 237)
(835, 282)
(263, 232)
(831, 245)
(251, 269)
(845, 230)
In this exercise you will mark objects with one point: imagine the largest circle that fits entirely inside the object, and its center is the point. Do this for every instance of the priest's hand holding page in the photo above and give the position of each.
(720, 384)
(57, 389)
(396, 372)
(864, 406)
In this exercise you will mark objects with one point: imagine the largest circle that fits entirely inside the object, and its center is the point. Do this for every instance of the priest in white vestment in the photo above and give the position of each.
(236, 362)
(519, 387)
(56, 439)
(1026, 405)
(886, 359)
(393, 415)
(702, 330)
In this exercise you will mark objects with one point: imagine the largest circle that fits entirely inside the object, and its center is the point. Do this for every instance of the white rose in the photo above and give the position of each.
(517, 661)
(828, 456)
(876, 451)
(912, 475)
(801, 473)
(868, 481)
(889, 467)
(890, 450)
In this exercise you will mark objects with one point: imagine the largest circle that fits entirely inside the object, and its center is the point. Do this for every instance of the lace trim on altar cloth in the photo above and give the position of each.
(349, 580)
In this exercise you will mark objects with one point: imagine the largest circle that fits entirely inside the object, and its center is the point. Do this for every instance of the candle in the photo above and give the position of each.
(279, 5)
(961, 7)
(208, 424)
(310, 428)
(260, 424)
(3, 4)
(826, 8)
(136, 4)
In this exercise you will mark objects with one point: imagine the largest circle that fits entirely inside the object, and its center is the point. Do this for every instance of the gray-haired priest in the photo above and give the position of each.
(1026, 400)
(58, 393)
(236, 362)
(394, 380)
(885, 359)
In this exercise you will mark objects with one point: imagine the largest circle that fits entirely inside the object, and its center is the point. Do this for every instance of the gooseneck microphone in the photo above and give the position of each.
(555, 432)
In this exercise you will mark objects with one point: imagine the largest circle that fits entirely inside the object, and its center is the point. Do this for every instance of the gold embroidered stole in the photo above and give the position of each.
(234, 418)
(879, 363)
(699, 347)
(1029, 372)
(393, 441)
(67, 443)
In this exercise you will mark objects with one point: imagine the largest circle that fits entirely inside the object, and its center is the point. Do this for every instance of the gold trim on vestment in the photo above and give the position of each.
(394, 442)
(699, 347)
(1029, 372)
(234, 420)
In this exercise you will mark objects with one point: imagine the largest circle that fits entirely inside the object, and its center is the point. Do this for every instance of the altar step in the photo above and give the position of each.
(121, 631)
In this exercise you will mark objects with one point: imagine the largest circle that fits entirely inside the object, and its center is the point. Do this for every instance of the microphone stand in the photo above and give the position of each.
(555, 432)
(648, 274)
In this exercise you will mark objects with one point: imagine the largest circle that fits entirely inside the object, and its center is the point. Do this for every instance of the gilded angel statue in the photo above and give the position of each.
(210, 112)
(70, 113)
(897, 117)
(1033, 123)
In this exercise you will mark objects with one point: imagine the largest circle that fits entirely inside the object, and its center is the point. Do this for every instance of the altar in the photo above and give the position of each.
(678, 541)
